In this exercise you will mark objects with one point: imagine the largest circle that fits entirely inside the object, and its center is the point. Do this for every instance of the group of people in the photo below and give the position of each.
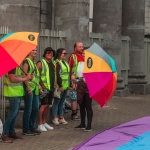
(37, 82)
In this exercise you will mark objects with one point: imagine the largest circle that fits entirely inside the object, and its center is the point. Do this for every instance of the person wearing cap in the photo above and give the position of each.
(46, 68)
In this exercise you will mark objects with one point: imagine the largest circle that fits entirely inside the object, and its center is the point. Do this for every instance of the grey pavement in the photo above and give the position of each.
(64, 137)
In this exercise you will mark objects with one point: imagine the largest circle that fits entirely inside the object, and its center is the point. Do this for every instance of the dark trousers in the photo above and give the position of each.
(86, 107)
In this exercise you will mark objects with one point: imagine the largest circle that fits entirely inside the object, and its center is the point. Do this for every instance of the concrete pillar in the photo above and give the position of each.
(107, 20)
(20, 15)
(72, 16)
(133, 25)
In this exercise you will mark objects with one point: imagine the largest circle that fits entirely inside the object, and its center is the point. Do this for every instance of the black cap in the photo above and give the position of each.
(48, 49)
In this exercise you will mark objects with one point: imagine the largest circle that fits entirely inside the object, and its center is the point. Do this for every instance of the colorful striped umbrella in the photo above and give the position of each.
(14, 47)
(100, 74)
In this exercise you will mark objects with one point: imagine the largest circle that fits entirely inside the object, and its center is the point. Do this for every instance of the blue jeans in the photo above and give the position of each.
(57, 108)
(14, 103)
(30, 111)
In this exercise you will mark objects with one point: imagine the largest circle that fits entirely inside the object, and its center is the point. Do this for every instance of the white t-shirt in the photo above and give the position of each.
(80, 70)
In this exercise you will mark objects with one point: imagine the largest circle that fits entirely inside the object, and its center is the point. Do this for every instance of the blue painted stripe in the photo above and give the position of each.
(141, 142)
(10, 33)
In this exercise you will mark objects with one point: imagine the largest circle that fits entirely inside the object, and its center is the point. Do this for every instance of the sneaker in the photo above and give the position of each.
(63, 121)
(6, 139)
(80, 127)
(47, 126)
(55, 121)
(75, 117)
(88, 129)
(29, 133)
(41, 128)
(36, 132)
(14, 136)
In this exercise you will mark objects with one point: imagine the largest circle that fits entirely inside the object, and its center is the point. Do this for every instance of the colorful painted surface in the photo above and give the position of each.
(133, 135)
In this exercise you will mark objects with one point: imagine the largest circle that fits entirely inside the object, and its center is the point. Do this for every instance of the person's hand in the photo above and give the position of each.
(61, 89)
(41, 92)
(73, 77)
(70, 88)
(29, 77)
(29, 92)
(55, 86)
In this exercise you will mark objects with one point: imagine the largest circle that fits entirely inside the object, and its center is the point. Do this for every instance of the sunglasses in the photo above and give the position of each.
(49, 52)
(64, 53)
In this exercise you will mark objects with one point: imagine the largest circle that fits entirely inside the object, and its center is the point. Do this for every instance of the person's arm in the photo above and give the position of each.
(39, 66)
(25, 70)
(15, 79)
(71, 62)
(59, 80)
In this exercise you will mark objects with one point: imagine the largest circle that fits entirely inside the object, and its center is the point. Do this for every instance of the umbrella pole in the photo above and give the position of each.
(23, 71)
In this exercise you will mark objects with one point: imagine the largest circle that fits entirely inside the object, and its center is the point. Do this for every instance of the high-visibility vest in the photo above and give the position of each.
(13, 89)
(64, 74)
(45, 76)
(74, 64)
(35, 80)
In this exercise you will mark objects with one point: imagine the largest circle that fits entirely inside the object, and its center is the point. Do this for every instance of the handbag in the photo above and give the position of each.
(57, 92)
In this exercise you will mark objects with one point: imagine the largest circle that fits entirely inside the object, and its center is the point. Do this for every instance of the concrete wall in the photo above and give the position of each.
(133, 25)
(20, 15)
(147, 17)
(107, 17)
(72, 16)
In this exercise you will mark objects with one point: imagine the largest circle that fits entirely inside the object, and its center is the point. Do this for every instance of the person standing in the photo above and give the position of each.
(83, 98)
(47, 71)
(13, 90)
(31, 98)
(63, 69)
(73, 61)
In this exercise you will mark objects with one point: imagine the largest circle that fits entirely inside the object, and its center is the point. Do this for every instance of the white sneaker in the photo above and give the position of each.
(55, 121)
(63, 121)
(47, 126)
(41, 128)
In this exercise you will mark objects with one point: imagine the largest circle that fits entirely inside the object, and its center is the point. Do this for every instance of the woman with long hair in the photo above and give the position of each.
(31, 98)
(63, 69)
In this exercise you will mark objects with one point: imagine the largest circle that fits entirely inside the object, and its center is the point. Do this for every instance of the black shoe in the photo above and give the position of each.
(80, 127)
(88, 129)
(36, 132)
(29, 133)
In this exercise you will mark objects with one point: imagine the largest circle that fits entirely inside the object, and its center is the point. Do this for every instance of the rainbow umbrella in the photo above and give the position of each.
(14, 47)
(100, 74)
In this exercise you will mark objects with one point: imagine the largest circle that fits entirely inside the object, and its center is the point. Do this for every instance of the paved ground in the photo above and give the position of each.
(65, 137)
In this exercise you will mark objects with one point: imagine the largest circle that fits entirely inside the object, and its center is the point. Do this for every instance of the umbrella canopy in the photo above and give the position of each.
(100, 74)
(14, 47)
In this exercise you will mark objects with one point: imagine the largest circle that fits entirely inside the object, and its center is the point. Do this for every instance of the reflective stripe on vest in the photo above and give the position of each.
(35, 81)
(75, 63)
(64, 74)
(13, 89)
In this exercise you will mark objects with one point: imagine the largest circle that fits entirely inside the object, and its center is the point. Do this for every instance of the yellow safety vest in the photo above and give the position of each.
(64, 74)
(35, 81)
(74, 64)
(45, 76)
(13, 89)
